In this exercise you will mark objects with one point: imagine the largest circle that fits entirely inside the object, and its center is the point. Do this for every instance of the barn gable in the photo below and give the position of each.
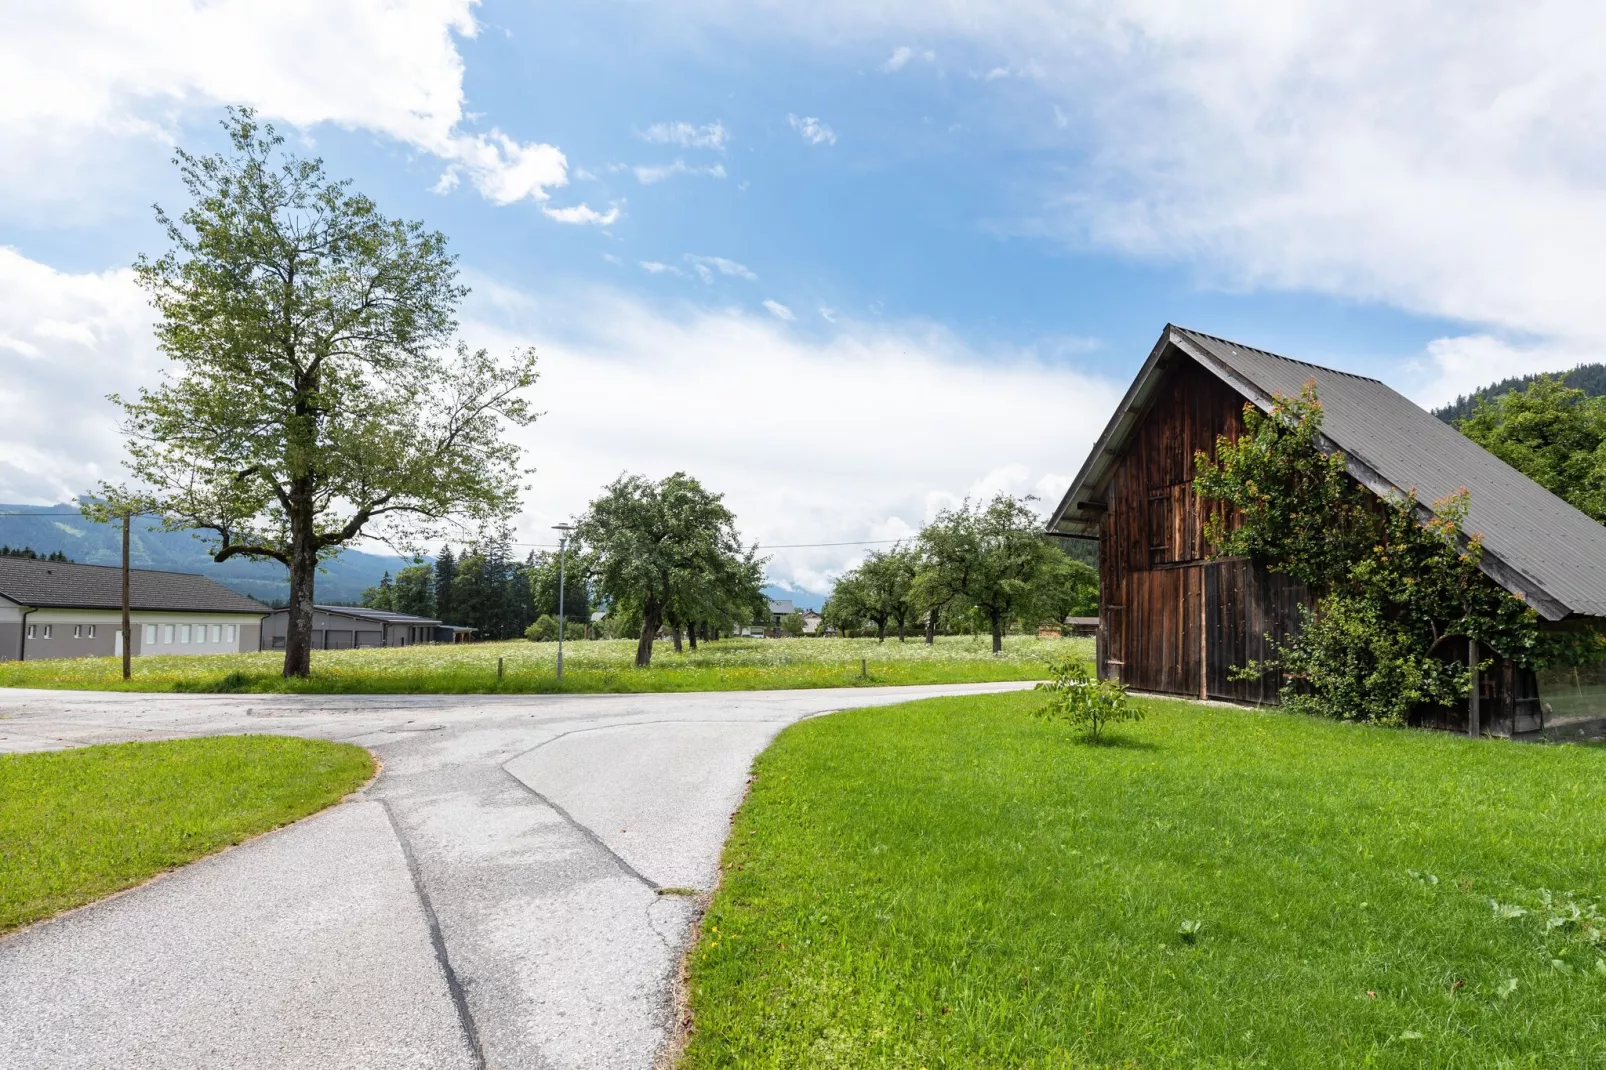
(1536, 545)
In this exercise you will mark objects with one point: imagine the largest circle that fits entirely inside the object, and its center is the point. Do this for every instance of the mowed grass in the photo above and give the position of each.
(80, 824)
(588, 666)
(952, 883)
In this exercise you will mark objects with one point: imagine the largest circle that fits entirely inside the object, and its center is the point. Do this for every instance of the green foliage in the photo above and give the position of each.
(1554, 435)
(414, 591)
(544, 630)
(945, 884)
(30, 554)
(1398, 587)
(382, 596)
(670, 551)
(986, 557)
(792, 625)
(1066, 588)
(1074, 697)
(879, 591)
(310, 401)
(1590, 378)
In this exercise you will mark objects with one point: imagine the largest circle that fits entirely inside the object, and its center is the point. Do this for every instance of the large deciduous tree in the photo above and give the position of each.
(668, 549)
(879, 590)
(315, 396)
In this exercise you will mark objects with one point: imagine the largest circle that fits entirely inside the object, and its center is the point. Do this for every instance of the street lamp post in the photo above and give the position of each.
(563, 531)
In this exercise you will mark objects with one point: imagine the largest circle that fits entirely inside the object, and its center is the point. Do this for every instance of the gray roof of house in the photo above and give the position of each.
(68, 585)
(1535, 544)
(378, 616)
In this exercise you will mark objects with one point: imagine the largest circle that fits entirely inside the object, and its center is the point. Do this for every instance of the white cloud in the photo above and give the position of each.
(583, 214)
(779, 423)
(1456, 366)
(796, 465)
(812, 130)
(658, 267)
(647, 174)
(828, 314)
(706, 266)
(903, 54)
(779, 311)
(65, 342)
(709, 136)
(1441, 159)
(78, 76)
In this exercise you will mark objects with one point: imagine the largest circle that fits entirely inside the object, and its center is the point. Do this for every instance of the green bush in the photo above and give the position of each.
(1082, 702)
(544, 630)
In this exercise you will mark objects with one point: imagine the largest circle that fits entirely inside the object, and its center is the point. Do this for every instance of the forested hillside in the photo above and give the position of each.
(47, 529)
(1590, 378)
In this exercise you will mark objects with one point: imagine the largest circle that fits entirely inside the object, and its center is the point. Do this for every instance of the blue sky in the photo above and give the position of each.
(848, 263)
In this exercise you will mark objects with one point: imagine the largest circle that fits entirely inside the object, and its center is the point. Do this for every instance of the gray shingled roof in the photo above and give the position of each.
(378, 616)
(1535, 544)
(67, 585)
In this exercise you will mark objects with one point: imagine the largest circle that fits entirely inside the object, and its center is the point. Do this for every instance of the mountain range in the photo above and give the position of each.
(50, 528)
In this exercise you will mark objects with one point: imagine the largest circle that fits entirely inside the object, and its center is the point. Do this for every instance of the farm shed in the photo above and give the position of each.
(1173, 620)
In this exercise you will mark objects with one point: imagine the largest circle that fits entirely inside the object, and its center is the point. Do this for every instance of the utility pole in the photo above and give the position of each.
(128, 631)
(563, 531)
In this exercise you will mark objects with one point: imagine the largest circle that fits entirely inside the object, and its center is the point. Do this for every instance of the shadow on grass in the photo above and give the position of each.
(1116, 743)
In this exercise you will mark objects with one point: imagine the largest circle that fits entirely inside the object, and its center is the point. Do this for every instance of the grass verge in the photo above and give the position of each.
(80, 824)
(952, 883)
(593, 666)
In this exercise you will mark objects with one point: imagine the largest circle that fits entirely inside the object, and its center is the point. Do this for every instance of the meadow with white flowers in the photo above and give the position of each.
(588, 666)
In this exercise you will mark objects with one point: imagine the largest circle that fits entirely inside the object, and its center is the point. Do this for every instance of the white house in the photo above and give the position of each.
(57, 609)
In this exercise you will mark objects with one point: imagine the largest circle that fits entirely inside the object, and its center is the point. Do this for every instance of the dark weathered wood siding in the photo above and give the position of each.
(1170, 620)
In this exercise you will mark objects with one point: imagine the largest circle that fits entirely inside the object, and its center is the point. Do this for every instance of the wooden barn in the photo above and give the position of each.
(1173, 620)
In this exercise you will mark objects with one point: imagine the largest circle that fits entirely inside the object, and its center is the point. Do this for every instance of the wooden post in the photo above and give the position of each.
(1472, 700)
(128, 633)
(498, 668)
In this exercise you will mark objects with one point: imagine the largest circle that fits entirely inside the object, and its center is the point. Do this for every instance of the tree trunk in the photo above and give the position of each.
(998, 633)
(674, 633)
(298, 623)
(931, 626)
(691, 635)
(881, 631)
(900, 629)
(651, 620)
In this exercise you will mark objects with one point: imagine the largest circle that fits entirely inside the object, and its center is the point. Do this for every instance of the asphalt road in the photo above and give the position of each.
(494, 899)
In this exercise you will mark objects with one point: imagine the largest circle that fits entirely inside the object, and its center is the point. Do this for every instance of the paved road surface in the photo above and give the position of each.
(491, 900)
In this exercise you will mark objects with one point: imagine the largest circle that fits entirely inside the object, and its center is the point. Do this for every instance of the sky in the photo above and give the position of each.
(848, 263)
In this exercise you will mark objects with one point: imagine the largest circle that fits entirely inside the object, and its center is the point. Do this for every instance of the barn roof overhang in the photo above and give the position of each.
(1079, 511)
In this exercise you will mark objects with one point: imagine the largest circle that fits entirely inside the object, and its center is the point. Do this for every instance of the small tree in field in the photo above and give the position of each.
(1088, 705)
(311, 402)
(792, 625)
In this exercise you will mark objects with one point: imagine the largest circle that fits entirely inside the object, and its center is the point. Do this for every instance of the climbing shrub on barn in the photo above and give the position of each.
(1397, 586)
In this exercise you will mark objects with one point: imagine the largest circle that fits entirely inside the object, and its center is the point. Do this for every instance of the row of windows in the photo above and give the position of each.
(169, 633)
(183, 633)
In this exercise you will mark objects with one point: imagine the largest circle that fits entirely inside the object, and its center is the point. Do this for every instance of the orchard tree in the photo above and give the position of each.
(879, 590)
(312, 405)
(989, 558)
(668, 548)
(316, 397)
(1066, 588)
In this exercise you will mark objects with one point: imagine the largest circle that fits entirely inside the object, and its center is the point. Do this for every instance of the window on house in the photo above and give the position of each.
(77, 631)
(90, 632)
(48, 630)
(184, 633)
(167, 634)
(217, 633)
(150, 635)
(234, 635)
(33, 631)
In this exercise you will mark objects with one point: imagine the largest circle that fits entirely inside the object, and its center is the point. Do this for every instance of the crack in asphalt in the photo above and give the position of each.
(454, 986)
(595, 840)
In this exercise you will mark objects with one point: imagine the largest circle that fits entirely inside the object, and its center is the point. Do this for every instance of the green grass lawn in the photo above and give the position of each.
(953, 883)
(601, 665)
(80, 824)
